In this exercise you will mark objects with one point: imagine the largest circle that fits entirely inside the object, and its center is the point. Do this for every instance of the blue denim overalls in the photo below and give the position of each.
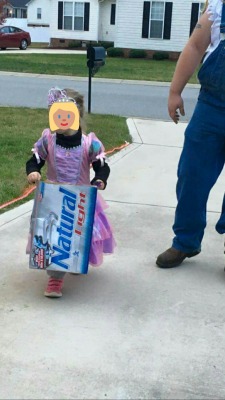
(203, 155)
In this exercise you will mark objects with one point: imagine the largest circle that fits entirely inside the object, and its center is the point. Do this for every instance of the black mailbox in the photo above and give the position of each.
(95, 60)
(95, 56)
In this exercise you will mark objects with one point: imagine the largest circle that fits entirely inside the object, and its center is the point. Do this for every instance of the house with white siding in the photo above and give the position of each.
(38, 13)
(155, 25)
(130, 24)
(15, 9)
(74, 20)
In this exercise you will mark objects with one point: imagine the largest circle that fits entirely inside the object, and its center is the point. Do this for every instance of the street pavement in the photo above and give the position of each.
(129, 98)
(127, 330)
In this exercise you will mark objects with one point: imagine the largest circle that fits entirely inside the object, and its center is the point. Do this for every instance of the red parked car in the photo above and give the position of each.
(10, 36)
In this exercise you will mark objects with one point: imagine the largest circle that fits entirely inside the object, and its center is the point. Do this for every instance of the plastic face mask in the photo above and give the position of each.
(64, 116)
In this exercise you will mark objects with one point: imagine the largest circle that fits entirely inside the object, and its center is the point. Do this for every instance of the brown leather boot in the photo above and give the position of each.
(173, 257)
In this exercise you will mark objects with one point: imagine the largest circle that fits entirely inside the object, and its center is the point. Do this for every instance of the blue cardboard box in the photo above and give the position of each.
(61, 227)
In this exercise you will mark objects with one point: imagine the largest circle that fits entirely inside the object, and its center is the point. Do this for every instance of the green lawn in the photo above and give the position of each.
(20, 129)
(76, 65)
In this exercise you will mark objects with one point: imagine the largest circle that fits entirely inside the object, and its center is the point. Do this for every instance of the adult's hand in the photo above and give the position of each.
(175, 106)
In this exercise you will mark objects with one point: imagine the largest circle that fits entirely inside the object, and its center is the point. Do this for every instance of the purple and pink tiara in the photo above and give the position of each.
(58, 95)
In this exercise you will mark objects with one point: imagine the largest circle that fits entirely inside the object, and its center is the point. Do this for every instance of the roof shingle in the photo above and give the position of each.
(18, 3)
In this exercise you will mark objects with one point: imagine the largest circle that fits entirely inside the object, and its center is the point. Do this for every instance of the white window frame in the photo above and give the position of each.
(151, 19)
(77, 15)
(73, 15)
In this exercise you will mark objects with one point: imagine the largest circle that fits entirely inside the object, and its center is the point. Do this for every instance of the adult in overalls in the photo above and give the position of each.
(203, 155)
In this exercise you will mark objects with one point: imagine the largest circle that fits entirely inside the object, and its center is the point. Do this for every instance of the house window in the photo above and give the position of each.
(23, 13)
(196, 11)
(78, 16)
(9, 12)
(38, 13)
(113, 14)
(68, 16)
(73, 15)
(157, 18)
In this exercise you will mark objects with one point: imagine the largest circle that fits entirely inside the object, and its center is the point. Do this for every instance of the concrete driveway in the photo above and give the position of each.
(127, 330)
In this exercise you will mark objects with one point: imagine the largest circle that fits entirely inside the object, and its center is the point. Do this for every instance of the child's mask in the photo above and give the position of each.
(64, 115)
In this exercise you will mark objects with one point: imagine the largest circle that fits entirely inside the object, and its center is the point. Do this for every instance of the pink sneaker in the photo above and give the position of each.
(54, 288)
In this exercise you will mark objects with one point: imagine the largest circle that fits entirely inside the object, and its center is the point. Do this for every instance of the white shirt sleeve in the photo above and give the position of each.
(214, 9)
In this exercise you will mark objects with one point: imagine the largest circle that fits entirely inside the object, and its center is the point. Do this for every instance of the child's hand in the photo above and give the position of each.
(99, 184)
(34, 177)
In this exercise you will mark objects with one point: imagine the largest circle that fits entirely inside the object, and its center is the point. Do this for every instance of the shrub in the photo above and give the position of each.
(137, 53)
(94, 44)
(73, 44)
(107, 45)
(115, 52)
(160, 55)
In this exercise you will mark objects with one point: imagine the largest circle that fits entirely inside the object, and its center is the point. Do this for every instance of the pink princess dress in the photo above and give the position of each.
(72, 166)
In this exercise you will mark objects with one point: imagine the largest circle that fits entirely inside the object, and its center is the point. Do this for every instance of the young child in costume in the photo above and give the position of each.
(68, 153)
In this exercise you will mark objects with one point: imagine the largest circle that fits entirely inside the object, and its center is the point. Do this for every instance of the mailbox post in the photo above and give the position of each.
(96, 59)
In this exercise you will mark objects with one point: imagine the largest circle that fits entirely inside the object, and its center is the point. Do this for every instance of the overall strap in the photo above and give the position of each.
(222, 24)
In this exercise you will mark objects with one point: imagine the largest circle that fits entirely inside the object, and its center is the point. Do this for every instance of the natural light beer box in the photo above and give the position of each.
(61, 227)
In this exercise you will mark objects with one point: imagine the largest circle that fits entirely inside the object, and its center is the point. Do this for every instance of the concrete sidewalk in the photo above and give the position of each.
(32, 50)
(127, 330)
